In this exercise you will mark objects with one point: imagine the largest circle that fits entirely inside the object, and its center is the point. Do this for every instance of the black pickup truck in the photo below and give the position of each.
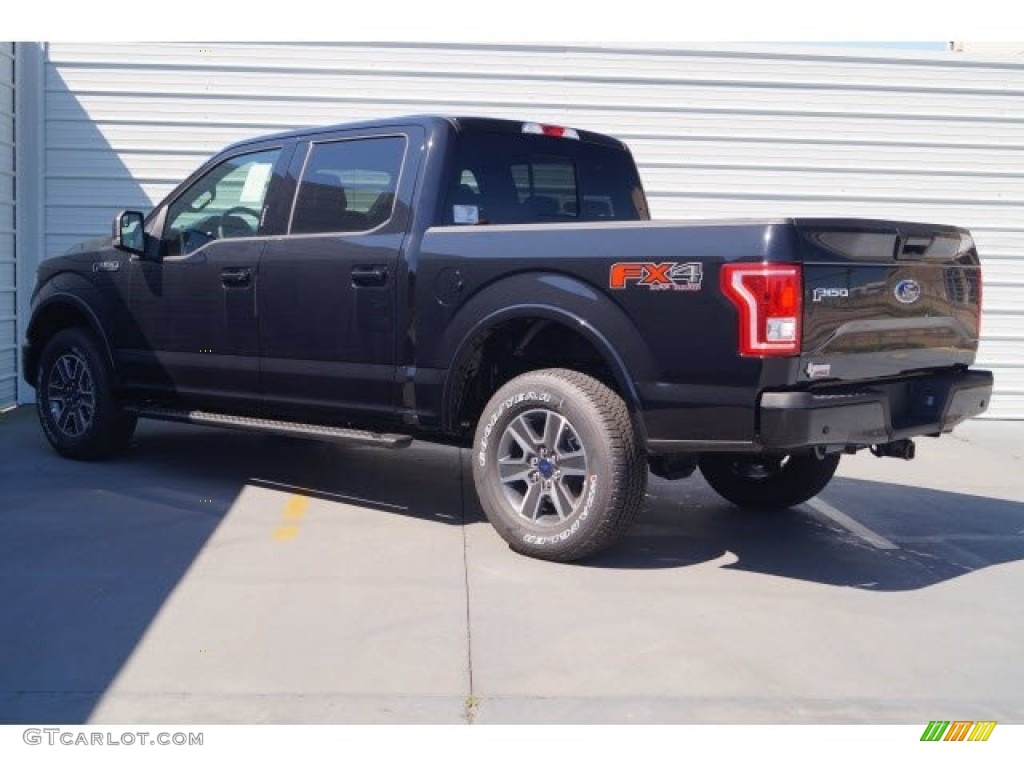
(499, 285)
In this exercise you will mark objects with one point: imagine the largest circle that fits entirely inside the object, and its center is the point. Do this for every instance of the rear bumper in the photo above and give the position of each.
(872, 413)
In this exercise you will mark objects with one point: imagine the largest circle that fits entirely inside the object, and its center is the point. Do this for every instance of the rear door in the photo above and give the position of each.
(887, 298)
(327, 289)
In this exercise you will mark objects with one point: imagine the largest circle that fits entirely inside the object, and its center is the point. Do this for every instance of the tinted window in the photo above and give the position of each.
(507, 178)
(546, 188)
(469, 180)
(225, 202)
(348, 186)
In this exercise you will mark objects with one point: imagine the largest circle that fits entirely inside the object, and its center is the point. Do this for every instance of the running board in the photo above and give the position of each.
(274, 427)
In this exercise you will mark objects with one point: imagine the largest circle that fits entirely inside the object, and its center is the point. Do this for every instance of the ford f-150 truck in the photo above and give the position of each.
(499, 285)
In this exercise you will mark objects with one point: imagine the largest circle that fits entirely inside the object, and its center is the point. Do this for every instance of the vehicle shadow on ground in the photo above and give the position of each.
(938, 535)
(91, 551)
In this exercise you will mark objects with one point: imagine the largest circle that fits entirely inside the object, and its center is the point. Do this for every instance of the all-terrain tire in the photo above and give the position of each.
(760, 483)
(75, 398)
(558, 465)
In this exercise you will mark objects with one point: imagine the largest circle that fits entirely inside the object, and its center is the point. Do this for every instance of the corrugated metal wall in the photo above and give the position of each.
(717, 130)
(8, 331)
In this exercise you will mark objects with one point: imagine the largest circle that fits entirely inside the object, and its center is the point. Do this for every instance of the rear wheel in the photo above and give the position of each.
(557, 464)
(75, 399)
(765, 482)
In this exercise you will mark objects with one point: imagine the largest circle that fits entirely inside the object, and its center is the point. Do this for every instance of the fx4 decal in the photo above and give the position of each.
(663, 276)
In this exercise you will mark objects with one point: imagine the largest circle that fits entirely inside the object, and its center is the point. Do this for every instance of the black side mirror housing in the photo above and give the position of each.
(129, 234)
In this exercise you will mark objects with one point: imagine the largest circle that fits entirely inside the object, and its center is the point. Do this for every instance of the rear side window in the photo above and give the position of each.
(502, 178)
(348, 186)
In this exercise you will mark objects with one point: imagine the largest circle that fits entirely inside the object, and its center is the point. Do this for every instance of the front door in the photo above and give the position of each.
(327, 289)
(195, 305)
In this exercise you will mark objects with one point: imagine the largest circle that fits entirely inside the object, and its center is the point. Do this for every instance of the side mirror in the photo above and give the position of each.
(128, 232)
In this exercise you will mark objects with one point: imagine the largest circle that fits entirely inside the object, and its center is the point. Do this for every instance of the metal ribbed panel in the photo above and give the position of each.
(717, 130)
(8, 332)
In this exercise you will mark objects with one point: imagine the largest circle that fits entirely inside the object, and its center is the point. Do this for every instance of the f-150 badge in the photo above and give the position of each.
(663, 276)
(830, 293)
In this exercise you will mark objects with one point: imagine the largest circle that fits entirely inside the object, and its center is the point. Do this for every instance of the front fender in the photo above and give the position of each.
(62, 298)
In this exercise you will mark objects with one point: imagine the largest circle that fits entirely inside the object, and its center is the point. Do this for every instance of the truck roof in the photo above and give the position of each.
(459, 123)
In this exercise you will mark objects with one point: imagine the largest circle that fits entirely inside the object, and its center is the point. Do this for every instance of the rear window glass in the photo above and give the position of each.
(506, 178)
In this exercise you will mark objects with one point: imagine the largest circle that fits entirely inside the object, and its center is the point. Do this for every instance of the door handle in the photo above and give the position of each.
(235, 277)
(370, 275)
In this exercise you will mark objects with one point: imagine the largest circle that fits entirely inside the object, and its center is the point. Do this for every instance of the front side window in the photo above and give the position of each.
(348, 186)
(226, 202)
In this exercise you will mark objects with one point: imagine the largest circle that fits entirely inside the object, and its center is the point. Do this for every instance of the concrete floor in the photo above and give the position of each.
(209, 576)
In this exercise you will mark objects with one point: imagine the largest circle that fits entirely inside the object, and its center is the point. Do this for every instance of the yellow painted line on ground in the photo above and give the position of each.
(296, 507)
(286, 532)
(294, 511)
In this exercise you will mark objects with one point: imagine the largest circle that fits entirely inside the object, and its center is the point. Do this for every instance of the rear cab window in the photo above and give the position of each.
(501, 177)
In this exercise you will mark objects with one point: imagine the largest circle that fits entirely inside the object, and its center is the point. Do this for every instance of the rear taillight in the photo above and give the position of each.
(769, 298)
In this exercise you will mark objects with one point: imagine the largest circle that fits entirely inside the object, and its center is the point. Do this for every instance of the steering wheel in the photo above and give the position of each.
(238, 210)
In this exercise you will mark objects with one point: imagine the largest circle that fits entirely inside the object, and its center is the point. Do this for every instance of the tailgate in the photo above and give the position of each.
(883, 298)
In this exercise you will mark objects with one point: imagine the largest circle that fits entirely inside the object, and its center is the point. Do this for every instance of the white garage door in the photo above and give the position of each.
(717, 130)
(8, 330)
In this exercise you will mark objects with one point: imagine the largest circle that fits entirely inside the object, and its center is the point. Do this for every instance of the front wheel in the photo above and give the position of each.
(75, 399)
(558, 466)
(768, 482)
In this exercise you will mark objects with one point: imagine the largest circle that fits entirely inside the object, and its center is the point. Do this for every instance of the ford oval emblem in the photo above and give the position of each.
(907, 291)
